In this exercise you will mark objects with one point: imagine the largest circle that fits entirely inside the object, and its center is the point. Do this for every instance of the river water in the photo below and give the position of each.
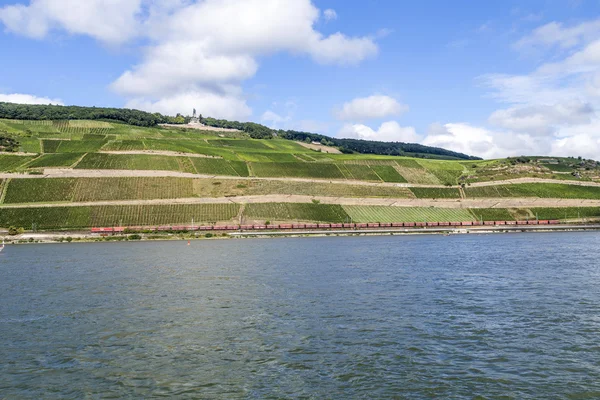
(514, 315)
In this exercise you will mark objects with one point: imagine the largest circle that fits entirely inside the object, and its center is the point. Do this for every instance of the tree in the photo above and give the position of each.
(13, 230)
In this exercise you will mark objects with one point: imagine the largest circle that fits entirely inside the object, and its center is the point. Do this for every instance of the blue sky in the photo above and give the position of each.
(492, 78)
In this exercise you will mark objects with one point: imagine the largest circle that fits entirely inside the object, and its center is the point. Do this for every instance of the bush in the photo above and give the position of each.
(135, 237)
(15, 231)
(69, 239)
(208, 235)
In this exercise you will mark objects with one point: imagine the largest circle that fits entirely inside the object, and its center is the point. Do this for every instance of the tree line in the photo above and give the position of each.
(254, 130)
(57, 113)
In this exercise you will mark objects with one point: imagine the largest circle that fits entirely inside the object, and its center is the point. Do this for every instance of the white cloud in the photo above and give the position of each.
(479, 141)
(555, 34)
(329, 14)
(372, 107)
(555, 107)
(274, 120)
(220, 48)
(28, 99)
(111, 21)
(224, 105)
(194, 49)
(543, 119)
(389, 131)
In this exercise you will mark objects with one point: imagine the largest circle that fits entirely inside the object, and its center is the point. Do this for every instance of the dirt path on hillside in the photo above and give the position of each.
(324, 149)
(108, 173)
(442, 203)
(157, 153)
(201, 127)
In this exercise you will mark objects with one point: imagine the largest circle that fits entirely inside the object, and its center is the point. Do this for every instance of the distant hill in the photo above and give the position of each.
(254, 130)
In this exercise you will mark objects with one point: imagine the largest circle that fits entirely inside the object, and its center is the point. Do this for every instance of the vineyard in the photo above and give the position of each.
(11, 162)
(162, 214)
(39, 190)
(296, 212)
(215, 166)
(446, 172)
(83, 217)
(55, 160)
(297, 170)
(566, 213)
(542, 190)
(493, 214)
(241, 166)
(72, 146)
(135, 162)
(406, 214)
(435, 193)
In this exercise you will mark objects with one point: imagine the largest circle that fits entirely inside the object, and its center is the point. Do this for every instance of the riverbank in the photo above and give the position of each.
(86, 237)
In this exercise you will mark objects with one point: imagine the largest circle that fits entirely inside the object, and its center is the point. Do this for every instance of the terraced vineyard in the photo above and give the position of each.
(241, 166)
(82, 217)
(10, 162)
(492, 214)
(297, 170)
(296, 212)
(542, 190)
(41, 190)
(55, 160)
(136, 162)
(566, 213)
(436, 193)
(406, 214)
(210, 166)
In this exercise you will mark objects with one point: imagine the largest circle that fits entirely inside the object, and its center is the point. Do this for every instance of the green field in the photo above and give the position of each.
(296, 212)
(406, 214)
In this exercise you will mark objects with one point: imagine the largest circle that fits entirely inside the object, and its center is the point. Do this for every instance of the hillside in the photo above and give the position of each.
(46, 113)
(83, 173)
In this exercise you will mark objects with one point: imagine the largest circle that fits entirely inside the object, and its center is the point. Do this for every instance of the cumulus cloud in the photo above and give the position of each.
(372, 107)
(389, 131)
(543, 119)
(111, 21)
(480, 141)
(329, 14)
(198, 51)
(28, 99)
(555, 107)
(228, 105)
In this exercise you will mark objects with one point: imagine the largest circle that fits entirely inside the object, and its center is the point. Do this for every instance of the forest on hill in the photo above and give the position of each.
(254, 130)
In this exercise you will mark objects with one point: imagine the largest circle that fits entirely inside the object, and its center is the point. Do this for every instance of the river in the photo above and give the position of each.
(513, 315)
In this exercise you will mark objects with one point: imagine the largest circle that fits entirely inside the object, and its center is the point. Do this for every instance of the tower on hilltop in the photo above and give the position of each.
(195, 119)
